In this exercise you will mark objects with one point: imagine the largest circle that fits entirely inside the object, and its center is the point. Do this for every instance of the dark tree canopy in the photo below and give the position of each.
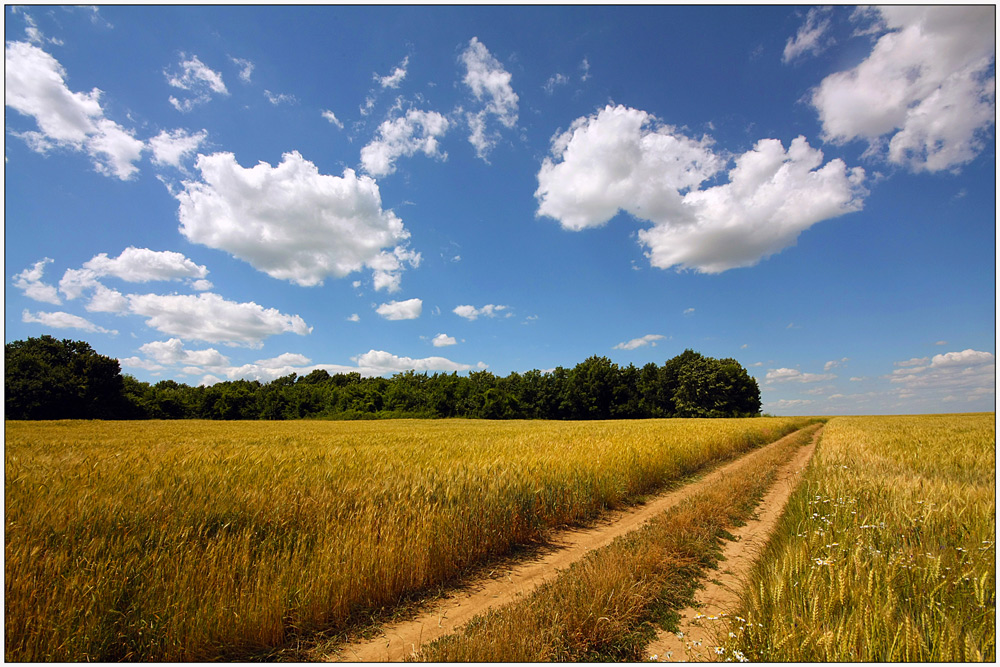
(51, 379)
(45, 378)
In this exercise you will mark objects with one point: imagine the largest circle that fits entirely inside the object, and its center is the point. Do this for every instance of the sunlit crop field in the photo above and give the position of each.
(192, 540)
(886, 553)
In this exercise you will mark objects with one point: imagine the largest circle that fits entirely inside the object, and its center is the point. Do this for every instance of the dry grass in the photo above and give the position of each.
(598, 609)
(886, 553)
(181, 541)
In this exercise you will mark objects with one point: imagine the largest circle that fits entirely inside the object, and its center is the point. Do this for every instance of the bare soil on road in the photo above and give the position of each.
(703, 624)
(398, 641)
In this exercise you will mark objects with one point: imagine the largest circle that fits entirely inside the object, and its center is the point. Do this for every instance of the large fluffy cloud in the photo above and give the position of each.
(34, 85)
(404, 136)
(292, 222)
(209, 317)
(622, 159)
(489, 83)
(925, 96)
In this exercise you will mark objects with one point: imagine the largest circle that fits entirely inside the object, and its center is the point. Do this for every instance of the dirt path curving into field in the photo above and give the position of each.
(397, 641)
(702, 624)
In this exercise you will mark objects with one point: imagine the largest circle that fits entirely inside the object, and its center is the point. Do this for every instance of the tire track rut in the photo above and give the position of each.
(702, 625)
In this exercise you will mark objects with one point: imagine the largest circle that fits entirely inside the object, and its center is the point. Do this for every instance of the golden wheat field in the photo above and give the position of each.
(886, 553)
(221, 540)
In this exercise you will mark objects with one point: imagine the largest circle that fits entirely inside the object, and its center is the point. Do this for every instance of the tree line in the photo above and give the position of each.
(46, 378)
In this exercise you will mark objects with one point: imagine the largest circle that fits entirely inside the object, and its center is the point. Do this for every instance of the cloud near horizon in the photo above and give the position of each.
(965, 375)
(213, 366)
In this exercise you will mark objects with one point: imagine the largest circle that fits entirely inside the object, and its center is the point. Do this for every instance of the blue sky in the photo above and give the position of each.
(246, 192)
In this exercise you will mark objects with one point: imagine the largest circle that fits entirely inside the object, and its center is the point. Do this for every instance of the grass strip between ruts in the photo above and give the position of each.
(607, 606)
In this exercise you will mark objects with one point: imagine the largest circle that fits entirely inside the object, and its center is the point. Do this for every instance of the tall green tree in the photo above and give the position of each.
(46, 378)
(708, 387)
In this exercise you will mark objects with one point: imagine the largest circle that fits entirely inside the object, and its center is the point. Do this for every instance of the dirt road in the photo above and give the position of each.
(397, 641)
(702, 624)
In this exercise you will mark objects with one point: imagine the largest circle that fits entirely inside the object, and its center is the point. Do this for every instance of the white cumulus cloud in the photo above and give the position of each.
(34, 85)
(925, 95)
(489, 83)
(197, 79)
(648, 339)
(332, 118)
(795, 375)
(62, 320)
(809, 37)
(555, 80)
(968, 358)
(292, 222)
(140, 265)
(379, 362)
(246, 68)
(171, 148)
(136, 265)
(622, 159)
(968, 375)
(835, 363)
(398, 74)
(443, 340)
(472, 313)
(172, 352)
(106, 300)
(209, 317)
(404, 136)
(401, 310)
(30, 280)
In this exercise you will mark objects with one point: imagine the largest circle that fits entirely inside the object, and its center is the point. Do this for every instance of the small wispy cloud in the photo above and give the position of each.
(279, 98)
(246, 68)
(835, 363)
(555, 80)
(332, 117)
(648, 339)
(398, 74)
(795, 375)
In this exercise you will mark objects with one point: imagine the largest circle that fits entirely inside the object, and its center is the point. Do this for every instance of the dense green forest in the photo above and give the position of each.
(46, 378)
